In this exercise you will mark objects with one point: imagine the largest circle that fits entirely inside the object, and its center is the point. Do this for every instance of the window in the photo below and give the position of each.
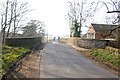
(90, 35)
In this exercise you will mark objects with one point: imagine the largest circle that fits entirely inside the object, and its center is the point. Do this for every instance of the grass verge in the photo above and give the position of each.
(107, 57)
(10, 54)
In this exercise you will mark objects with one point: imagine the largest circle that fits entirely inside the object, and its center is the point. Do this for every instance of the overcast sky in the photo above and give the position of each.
(53, 12)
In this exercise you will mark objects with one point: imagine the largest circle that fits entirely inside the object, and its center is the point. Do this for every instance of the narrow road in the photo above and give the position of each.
(61, 61)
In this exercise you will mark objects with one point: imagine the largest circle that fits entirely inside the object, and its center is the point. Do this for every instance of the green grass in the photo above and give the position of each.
(27, 47)
(10, 54)
(105, 55)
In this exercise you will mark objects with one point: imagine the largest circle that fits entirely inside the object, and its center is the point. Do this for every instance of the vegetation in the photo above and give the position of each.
(104, 55)
(34, 28)
(10, 54)
(79, 14)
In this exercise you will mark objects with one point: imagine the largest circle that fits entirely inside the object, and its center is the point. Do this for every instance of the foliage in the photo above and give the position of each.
(77, 30)
(10, 54)
(34, 28)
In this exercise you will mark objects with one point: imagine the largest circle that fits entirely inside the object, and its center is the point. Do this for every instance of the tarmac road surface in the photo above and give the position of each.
(61, 61)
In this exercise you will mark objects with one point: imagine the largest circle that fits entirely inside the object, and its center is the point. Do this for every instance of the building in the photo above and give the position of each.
(102, 31)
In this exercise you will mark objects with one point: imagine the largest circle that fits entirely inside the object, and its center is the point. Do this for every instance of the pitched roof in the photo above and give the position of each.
(103, 27)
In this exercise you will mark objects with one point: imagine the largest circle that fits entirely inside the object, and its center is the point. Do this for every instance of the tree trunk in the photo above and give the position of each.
(5, 24)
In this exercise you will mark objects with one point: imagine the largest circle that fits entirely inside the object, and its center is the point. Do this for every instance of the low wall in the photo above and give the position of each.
(91, 43)
(115, 44)
(87, 43)
(22, 41)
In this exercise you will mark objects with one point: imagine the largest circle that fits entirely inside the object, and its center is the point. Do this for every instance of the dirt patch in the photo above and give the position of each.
(29, 68)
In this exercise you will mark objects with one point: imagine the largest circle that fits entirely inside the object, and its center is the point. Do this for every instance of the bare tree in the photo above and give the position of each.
(115, 9)
(4, 23)
(79, 13)
(15, 17)
(12, 13)
(113, 6)
(11, 18)
(111, 19)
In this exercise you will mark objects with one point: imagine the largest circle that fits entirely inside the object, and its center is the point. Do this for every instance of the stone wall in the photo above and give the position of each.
(87, 43)
(114, 44)
(90, 43)
(22, 41)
